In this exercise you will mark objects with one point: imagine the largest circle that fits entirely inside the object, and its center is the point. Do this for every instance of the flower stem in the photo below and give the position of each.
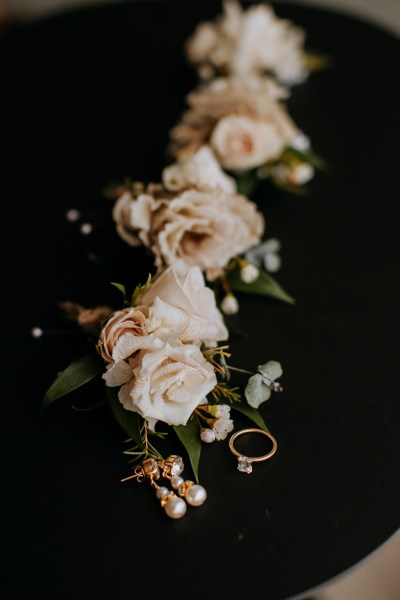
(239, 370)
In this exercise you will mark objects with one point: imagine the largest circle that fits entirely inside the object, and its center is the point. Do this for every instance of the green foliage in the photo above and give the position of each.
(74, 376)
(128, 420)
(247, 183)
(189, 435)
(265, 285)
(250, 413)
(140, 290)
(120, 287)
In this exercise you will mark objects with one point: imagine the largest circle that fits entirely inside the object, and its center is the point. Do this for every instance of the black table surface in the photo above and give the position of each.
(87, 98)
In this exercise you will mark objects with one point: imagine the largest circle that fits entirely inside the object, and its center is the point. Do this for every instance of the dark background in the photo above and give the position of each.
(88, 98)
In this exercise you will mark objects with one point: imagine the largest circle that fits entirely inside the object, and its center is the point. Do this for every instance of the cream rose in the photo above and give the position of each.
(241, 143)
(133, 217)
(205, 228)
(202, 170)
(126, 332)
(233, 115)
(180, 302)
(165, 385)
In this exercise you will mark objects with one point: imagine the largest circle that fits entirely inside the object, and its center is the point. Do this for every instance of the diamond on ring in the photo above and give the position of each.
(244, 464)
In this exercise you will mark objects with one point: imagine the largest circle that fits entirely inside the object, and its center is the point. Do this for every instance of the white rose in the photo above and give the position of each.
(201, 170)
(241, 143)
(166, 385)
(133, 217)
(180, 301)
(205, 228)
(126, 332)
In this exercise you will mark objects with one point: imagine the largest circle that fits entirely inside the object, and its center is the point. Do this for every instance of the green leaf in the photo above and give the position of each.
(189, 435)
(119, 287)
(310, 157)
(251, 413)
(265, 285)
(247, 183)
(74, 376)
(140, 290)
(128, 420)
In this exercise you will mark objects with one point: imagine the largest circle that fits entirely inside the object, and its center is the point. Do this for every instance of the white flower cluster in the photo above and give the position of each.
(251, 41)
(244, 58)
(190, 219)
(153, 349)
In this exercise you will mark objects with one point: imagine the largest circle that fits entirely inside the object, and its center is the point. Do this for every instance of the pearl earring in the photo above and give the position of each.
(172, 467)
(174, 507)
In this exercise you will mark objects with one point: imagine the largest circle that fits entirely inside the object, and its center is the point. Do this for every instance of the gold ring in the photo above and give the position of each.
(245, 462)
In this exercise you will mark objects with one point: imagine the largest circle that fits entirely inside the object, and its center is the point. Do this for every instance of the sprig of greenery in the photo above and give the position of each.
(147, 450)
(140, 290)
(219, 367)
(223, 392)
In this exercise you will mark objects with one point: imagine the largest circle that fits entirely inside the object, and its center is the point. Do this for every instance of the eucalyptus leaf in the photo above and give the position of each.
(265, 285)
(74, 376)
(128, 420)
(256, 391)
(271, 369)
(250, 413)
(189, 435)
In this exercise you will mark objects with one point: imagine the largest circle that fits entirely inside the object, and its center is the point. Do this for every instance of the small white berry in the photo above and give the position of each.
(230, 305)
(249, 273)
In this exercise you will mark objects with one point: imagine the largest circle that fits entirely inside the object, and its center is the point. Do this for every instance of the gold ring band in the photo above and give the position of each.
(244, 463)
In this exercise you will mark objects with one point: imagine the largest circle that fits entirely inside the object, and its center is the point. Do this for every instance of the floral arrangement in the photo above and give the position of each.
(163, 353)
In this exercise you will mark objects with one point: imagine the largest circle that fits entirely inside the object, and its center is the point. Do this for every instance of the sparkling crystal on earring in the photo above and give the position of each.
(244, 464)
(177, 466)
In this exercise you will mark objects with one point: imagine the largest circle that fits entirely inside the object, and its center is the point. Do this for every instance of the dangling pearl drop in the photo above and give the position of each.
(196, 495)
(175, 507)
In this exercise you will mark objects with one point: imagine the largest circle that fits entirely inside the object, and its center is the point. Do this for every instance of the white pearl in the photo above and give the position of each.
(175, 507)
(161, 492)
(176, 482)
(196, 495)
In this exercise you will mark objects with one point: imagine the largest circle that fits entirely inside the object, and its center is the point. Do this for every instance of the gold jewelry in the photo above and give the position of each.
(172, 467)
(245, 462)
(174, 506)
